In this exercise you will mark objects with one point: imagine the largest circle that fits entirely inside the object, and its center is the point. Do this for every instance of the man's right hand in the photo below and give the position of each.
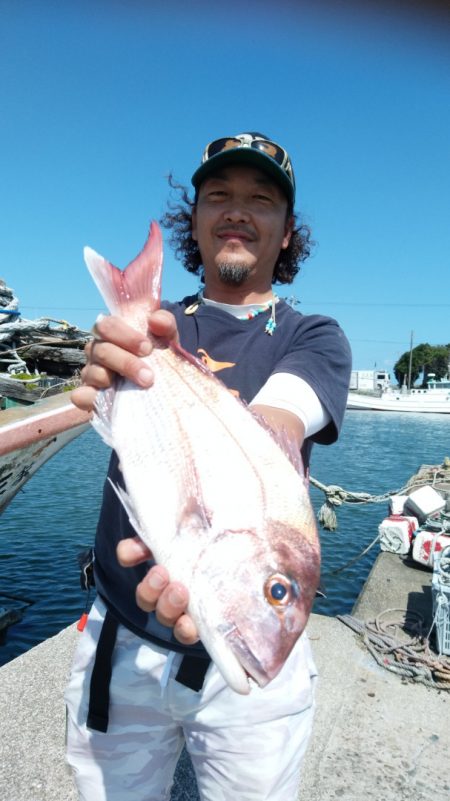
(117, 348)
(169, 600)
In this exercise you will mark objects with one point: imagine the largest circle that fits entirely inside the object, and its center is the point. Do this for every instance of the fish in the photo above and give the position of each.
(217, 498)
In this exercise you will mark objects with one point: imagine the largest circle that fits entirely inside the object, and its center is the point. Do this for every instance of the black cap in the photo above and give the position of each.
(253, 149)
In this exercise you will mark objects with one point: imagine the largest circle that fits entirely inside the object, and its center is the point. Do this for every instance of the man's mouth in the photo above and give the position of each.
(230, 234)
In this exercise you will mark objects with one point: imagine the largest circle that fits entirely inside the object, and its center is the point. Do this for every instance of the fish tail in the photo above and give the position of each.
(138, 287)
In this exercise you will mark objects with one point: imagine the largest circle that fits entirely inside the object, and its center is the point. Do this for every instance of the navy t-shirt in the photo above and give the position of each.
(243, 356)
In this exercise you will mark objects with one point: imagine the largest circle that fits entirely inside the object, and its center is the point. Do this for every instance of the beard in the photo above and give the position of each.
(232, 273)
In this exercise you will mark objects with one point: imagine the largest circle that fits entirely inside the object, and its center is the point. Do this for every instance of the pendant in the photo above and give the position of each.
(192, 308)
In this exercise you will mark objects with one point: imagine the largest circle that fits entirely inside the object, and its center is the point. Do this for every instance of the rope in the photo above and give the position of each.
(336, 496)
(23, 327)
(355, 558)
(400, 646)
(10, 597)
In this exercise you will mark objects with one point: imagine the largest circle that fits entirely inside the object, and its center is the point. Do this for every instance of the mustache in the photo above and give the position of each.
(245, 230)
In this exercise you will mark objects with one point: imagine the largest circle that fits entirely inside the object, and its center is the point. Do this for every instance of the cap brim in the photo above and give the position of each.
(254, 158)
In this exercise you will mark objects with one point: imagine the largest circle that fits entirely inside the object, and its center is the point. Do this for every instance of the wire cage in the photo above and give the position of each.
(440, 590)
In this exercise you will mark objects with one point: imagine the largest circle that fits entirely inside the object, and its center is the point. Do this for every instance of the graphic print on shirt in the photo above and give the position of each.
(211, 364)
(215, 367)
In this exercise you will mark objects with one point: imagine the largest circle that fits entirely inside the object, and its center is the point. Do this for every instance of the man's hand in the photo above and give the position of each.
(116, 349)
(155, 593)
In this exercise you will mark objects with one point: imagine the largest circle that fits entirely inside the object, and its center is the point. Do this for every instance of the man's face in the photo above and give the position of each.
(240, 224)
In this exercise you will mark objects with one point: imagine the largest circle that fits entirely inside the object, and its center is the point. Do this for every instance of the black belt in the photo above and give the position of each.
(191, 673)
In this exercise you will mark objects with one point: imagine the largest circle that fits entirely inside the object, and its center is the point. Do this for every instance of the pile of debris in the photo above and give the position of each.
(45, 349)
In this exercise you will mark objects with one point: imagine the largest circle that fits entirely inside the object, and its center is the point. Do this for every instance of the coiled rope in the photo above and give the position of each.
(401, 646)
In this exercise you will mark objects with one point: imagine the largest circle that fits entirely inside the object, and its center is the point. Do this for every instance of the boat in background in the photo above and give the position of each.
(41, 361)
(434, 399)
(30, 435)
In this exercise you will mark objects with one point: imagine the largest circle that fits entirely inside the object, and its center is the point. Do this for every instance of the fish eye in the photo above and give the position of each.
(280, 591)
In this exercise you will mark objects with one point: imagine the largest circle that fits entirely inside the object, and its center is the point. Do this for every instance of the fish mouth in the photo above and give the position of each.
(250, 663)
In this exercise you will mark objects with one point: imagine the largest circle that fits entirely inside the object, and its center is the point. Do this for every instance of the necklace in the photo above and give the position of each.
(249, 315)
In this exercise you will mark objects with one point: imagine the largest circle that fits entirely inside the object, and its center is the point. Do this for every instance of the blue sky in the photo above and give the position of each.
(99, 101)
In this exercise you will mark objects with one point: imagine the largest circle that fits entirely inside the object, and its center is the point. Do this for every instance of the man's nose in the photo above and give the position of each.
(237, 212)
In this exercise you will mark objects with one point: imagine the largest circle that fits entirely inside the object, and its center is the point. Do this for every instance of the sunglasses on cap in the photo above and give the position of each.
(265, 146)
(255, 149)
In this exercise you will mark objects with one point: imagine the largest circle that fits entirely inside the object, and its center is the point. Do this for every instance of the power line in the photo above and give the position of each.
(381, 304)
(64, 308)
(379, 341)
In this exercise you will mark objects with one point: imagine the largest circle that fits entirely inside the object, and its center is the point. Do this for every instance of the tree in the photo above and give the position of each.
(425, 359)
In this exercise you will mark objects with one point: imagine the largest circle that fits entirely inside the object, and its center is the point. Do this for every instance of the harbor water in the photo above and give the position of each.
(53, 519)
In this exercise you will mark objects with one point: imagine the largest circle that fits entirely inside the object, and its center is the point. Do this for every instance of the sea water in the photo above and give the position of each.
(54, 517)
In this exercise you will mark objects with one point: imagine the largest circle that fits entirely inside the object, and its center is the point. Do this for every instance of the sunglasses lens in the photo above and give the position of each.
(219, 145)
(270, 149)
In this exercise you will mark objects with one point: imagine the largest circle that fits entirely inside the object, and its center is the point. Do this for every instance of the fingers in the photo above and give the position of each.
(184, 630)
(169, 600)
(84, 398)
(106, 359)
(132, 551)
(163, 324)
(117, 332)
(156, 593)
(117, 348)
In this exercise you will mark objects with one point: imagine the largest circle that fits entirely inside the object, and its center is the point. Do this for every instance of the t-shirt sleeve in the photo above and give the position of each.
(320, 354)
(293, 394)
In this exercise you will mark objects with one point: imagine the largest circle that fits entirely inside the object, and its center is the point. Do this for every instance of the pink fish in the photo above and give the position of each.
(209, 491)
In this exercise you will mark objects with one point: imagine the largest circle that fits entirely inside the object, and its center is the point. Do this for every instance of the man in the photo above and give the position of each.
(125, 736)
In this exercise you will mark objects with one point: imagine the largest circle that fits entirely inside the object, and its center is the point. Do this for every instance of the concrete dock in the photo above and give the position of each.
(376, 736)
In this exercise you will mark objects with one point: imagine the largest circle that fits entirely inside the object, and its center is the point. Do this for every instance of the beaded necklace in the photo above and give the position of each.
(249, 315)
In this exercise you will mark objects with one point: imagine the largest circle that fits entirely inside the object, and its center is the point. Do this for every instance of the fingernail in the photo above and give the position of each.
(156, 582)
(100, 317)
(145, 348)
(176, 598)
(145, 376)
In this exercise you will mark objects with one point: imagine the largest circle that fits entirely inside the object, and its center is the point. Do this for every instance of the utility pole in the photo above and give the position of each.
(410, 360)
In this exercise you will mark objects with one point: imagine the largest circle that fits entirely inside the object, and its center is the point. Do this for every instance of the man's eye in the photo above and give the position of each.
(264, 198)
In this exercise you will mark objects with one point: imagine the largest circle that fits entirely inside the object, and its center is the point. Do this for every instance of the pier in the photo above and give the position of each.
(376, 735)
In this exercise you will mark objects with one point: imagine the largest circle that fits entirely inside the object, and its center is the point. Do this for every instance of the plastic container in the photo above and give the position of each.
(397, 504)
(424, 502)
(396, 533)
(440, 590)
(426, 545)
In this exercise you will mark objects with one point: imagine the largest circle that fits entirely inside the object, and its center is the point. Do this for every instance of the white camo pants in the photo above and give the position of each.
(243, 748)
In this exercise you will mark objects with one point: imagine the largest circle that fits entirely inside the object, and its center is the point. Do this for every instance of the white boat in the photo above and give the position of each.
(30, 435)
(435, 399)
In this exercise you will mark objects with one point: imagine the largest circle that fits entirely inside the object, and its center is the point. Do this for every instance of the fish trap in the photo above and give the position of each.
(440, 590)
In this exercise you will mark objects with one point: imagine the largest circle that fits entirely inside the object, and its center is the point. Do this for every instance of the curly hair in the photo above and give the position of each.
(178, 219)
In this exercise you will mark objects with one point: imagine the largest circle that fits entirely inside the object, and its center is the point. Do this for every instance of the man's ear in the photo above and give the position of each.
(289, 227)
